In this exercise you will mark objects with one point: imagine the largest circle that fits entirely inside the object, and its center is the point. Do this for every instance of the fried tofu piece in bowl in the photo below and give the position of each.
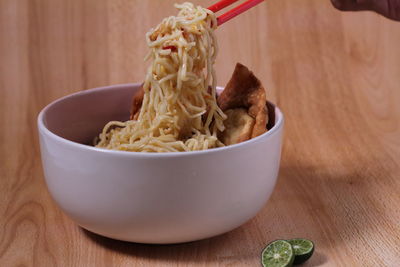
(245, 103)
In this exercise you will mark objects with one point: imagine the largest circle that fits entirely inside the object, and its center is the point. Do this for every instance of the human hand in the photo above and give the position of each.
(387, 8)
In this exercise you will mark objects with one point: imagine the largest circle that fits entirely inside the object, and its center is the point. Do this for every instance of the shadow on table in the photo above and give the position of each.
(191, 251)
(316, 260)
(219, 248)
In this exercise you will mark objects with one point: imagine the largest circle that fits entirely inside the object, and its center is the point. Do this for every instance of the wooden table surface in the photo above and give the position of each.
(336, 76)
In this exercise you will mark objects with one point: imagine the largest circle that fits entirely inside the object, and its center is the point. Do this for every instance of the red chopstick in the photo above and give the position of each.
(221, 4)
(235, 11)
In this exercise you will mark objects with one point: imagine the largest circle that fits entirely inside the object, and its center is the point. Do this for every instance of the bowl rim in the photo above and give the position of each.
(279, 121)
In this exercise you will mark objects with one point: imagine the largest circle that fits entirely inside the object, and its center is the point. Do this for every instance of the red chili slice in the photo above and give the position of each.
(173, 48)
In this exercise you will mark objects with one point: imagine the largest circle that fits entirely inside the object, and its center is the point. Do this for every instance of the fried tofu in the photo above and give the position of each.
(238, 126)
(244, 91)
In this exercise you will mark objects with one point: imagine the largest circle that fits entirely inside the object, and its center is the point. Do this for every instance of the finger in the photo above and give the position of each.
(392, 9)
(354, 5)
(387, 8)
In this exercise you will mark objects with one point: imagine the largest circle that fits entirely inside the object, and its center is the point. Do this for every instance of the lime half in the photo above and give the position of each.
(303, 249)
(278, 254)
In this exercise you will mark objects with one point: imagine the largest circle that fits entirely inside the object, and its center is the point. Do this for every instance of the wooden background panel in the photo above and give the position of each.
(335, 75)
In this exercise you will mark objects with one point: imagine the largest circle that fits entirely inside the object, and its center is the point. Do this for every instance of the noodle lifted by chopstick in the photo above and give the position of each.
(179, 110)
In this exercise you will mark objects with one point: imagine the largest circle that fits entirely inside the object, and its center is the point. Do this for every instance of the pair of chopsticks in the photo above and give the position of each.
(233, 12)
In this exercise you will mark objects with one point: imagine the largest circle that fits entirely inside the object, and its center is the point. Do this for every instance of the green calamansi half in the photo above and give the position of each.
(303, 249)
(278, 254)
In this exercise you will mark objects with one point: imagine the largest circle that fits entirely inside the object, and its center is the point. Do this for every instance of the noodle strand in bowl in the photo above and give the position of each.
(179, 110)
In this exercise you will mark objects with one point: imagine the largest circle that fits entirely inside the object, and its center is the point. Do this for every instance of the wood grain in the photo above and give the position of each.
(335, 75)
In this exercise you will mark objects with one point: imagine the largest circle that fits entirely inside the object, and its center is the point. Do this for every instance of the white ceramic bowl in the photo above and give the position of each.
(150, 197)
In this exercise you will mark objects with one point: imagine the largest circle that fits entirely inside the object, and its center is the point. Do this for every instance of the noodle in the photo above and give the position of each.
(179, 110)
